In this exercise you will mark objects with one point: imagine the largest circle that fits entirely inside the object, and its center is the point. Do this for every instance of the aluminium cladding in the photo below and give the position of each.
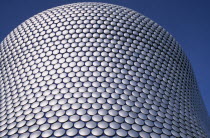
(96, 70)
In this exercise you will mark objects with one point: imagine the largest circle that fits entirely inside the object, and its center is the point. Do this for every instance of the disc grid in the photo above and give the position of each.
(96, 70)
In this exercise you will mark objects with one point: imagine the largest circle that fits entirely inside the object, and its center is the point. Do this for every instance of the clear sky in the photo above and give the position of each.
(187, 20)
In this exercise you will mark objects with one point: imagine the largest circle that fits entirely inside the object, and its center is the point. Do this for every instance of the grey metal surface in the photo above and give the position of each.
(96, 70)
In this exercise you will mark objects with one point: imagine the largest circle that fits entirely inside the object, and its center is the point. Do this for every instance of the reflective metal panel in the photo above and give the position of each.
(96, 70)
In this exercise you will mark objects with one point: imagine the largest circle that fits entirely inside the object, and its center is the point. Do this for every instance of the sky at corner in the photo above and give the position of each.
(187, 20)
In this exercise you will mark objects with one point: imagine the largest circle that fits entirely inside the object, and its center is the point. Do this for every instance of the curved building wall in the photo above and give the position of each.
(96, 70)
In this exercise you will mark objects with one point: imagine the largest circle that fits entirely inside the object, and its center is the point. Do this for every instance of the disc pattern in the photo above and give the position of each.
(96, 70)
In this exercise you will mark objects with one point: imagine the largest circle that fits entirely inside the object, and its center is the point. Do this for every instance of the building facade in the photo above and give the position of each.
(97, 70)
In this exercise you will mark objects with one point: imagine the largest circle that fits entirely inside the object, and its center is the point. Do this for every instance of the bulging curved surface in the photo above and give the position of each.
(97, 70)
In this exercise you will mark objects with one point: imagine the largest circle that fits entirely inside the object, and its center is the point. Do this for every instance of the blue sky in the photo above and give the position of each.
(187, 20)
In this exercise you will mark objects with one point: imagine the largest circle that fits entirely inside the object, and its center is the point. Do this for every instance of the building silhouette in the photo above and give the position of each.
(97, 70)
